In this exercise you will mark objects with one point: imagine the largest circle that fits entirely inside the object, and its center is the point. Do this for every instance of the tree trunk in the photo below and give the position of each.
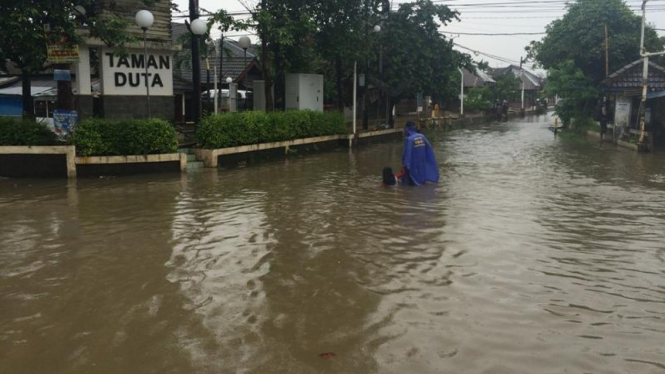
(279, 79)
(264, 62)
(28, 105)
(340, 86)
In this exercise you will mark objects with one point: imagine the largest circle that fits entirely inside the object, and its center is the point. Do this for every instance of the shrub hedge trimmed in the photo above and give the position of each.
(243, 128)
(97, 137)
(24, 132)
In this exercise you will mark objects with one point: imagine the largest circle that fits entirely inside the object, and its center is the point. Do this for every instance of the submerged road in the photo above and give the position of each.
(534, 254)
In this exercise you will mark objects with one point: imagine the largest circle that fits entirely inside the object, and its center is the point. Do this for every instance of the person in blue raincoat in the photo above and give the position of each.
(418, 161)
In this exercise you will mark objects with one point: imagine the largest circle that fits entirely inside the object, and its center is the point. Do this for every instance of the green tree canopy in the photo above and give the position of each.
(418, 58)
(574, 50)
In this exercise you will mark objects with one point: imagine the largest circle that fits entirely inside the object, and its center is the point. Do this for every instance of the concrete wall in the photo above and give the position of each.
(37, 161)
(96, 170)
(33, 165)
(134, 107)
(84, 106)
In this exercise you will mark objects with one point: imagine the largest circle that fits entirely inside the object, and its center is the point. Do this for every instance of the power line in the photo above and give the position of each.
(493, 34)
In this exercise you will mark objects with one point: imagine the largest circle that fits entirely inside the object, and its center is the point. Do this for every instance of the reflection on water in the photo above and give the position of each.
(533, 254)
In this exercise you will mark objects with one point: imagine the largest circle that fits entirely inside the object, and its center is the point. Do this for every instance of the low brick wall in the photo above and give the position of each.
(608, 139)
(211, 157)
(127, 165)
(37, 161)
(61, 161)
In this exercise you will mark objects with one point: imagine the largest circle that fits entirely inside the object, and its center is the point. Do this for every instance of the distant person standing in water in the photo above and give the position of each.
(418, 161)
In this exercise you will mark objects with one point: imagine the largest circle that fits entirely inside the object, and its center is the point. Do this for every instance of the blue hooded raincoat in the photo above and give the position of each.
(418, 159)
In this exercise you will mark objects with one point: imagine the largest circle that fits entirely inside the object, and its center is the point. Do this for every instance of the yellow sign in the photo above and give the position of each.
(63, 53)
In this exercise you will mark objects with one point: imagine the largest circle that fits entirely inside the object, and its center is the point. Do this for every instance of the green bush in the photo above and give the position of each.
(24, 132)
(242, 128)
(96, 137)
(478, 99)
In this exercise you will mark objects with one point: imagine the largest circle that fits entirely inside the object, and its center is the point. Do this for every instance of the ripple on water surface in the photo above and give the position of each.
(532, 255)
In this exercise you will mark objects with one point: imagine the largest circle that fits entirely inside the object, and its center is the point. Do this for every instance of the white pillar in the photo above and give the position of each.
(461, 96)
(82, 71)
(355, 93)
(233, 97)
(215, 90)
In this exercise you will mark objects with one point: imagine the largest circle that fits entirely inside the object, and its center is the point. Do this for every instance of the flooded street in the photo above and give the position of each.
(532, 255)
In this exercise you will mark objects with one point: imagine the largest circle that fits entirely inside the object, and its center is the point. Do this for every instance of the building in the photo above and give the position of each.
(533, 84)
(624, 91)
(477, 79)
(106, 83)
(244, 70)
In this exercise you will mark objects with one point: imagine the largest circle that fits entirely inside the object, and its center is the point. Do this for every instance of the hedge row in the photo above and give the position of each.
(243, 128)
(98, 137)
(23, 132)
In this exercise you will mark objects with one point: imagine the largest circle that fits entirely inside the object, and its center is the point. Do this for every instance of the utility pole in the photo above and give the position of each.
(645, 76)
(522, 79)
(607, 53)
(196, 64)
(264, 62)
(461, 92)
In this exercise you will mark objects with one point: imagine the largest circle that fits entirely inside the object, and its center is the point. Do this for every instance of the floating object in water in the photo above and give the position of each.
(327, 355)
(389, 178)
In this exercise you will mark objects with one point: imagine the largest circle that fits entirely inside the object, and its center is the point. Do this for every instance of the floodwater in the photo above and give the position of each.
(532, 255)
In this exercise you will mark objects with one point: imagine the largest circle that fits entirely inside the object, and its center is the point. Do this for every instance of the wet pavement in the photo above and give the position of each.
(534, 254)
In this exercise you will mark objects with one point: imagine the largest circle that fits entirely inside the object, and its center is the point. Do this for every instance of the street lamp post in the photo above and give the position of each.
(244, 42)
(197, 27)
(376, 29)
(145, 19)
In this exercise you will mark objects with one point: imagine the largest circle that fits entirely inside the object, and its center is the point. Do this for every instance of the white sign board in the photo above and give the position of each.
(621, 117)
(126, 75)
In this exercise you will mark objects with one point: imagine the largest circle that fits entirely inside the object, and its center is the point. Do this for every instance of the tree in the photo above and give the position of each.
(340, 39)
(417, 58)
(574, 48)
(507, 87)
(30, 25)
(478, 98)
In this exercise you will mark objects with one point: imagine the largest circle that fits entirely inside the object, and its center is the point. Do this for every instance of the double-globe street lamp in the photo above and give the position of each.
(197, 27)
(145, 19)
(244, 42)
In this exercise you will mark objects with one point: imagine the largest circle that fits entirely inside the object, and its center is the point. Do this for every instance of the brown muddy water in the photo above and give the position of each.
(532, 255)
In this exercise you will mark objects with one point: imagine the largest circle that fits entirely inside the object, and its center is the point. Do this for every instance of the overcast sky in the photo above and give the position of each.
(482, 16)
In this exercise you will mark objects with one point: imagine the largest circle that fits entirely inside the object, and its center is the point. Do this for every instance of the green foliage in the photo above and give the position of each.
(417, 57)
(479, 99)
(98, 137)
(507, 87)
(573, 51)
(582, 123)
(28, 26)
(579, 91)
(327, 37)
(580, 37)
(24, 132)
(208, 47)
(242, 128)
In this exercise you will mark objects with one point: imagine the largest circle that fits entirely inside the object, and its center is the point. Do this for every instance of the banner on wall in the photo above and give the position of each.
(62, 53)
(64, 122)
(621, 117)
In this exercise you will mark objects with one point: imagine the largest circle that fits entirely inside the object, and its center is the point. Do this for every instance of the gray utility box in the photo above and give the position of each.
(304, 92)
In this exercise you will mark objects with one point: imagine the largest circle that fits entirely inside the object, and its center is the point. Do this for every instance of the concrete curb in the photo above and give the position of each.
(210, 156)
(134, 159)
